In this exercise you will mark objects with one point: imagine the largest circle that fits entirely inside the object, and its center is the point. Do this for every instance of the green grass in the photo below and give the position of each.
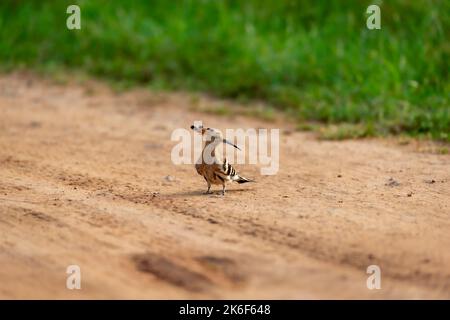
(316, 60)
(345, 131)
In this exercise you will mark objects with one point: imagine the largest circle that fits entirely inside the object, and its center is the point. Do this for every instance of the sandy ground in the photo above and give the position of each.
(83, 181)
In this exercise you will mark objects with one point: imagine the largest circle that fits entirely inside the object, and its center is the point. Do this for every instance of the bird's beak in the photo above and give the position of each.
(232, 144)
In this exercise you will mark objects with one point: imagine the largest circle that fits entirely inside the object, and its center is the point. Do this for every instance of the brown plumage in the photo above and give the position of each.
(213, 169)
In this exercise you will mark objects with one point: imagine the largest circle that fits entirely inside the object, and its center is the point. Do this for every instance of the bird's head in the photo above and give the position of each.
(212, 135)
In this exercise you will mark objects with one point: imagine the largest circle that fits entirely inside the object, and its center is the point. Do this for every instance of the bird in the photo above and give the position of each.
(210, 166)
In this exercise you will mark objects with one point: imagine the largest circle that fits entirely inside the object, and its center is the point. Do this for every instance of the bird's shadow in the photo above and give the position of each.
(203, 194)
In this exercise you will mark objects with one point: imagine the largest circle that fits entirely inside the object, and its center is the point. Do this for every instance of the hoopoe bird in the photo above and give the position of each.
(210, 166)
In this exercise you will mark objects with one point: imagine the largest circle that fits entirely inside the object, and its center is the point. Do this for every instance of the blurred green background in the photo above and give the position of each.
(316, 60)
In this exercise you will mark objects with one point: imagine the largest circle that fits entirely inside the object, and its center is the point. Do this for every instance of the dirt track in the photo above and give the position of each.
(82, 181)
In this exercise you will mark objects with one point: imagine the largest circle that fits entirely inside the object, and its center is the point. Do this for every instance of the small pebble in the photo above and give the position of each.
(392, 183)
(169, 178)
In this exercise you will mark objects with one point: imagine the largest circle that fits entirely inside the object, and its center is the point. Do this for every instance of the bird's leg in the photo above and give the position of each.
(223, 189)
(209, 188)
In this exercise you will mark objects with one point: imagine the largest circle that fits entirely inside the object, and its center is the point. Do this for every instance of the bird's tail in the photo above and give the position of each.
(241, 179)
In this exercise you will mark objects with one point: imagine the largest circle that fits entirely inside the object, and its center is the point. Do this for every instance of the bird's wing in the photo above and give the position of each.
(225, 170)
